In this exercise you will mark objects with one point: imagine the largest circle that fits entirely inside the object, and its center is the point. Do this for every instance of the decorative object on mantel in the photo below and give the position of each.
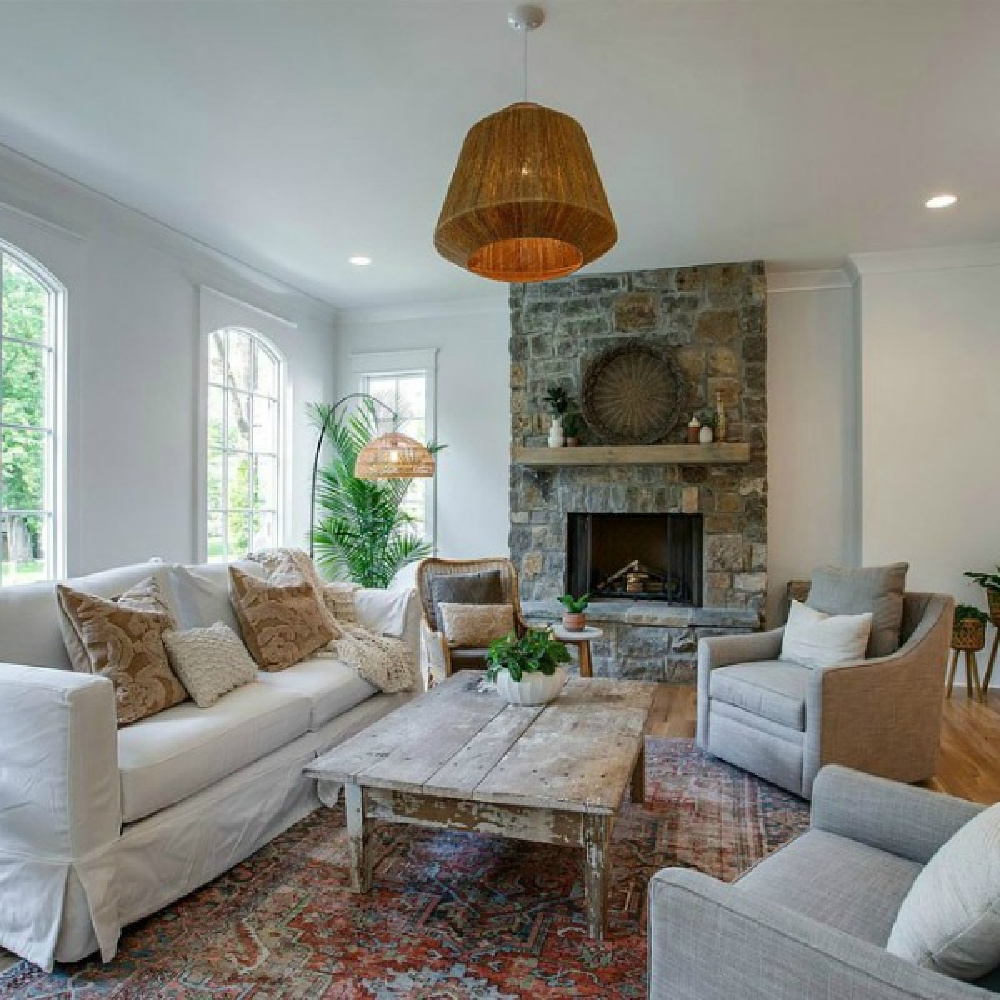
(968, 635)
(558, 403)
(706, 435)
(574, 618)
(721, 423)
(571, 427)
(528, 669)
(990, 582)
(632, 393)
(694, 428)
(350, 499)
(508, 215)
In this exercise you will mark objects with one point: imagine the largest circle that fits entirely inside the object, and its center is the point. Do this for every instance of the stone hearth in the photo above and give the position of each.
(712, 320)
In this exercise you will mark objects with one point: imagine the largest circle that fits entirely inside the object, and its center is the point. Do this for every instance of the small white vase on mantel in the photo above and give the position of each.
(705, 435)
(556, 436)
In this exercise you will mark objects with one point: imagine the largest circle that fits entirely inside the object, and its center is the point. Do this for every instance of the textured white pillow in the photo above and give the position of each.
(950, 919)
(209, 661)
(816, 639)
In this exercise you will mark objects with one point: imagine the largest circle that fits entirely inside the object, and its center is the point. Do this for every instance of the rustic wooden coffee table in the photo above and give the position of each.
(461, 758)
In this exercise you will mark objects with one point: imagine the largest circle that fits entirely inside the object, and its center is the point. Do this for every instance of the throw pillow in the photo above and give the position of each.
(203, 593)
(289, 566)
(281, 624)
(950, 918)
(840, 590)
(126, 646)
(146, 595)
(209, 661)
(484, 587)
(339, 599)
(473, 626)
(816, 639)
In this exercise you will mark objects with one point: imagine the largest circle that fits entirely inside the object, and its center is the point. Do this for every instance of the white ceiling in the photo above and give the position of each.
(293, 134)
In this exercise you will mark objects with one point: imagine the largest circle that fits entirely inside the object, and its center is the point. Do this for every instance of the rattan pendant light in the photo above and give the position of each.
(526, 202)
(394, 456)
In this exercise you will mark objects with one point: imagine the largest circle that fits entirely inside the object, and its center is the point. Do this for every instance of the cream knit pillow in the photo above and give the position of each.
(815, 639)
(209, 661)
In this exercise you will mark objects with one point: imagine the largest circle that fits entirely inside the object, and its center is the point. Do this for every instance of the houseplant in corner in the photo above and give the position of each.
(574, 619)
(528, 670)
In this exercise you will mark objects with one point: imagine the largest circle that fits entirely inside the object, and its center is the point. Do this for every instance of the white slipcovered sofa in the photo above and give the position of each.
(100, 827)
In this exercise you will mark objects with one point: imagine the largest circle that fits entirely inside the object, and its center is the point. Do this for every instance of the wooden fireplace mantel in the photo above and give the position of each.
(720, 453)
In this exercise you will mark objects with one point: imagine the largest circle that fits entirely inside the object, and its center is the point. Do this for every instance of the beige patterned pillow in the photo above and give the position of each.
(126, 646)
(209, 661)
(281, 624)
(144, 596)
(473, 626)
(339, 600)
(286, 566)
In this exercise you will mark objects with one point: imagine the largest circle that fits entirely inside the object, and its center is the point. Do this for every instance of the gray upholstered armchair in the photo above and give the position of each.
(811, 921)
(783, 721)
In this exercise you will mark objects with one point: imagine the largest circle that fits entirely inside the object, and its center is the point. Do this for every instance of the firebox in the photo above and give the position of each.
(653, 557)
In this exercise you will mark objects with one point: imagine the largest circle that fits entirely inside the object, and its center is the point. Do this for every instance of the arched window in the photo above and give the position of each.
(32, 311)
(245, 453)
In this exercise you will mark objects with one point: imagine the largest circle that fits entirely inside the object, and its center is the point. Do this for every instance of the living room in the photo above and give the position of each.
(802, 260)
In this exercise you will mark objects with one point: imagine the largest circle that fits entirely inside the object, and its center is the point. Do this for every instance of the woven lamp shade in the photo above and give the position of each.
(394, 456)
(526, 202)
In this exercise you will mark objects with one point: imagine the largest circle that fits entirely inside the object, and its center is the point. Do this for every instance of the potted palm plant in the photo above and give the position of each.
(528, 669)
(574, 619)
(990, 582)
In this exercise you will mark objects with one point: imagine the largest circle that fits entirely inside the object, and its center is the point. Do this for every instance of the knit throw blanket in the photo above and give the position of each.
(382, 661)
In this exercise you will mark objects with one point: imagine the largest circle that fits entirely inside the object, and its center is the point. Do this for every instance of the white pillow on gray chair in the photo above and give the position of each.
(815, 639)
(950, 918)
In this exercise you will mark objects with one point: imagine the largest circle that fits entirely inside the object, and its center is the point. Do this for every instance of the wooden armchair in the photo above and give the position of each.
(441, 660)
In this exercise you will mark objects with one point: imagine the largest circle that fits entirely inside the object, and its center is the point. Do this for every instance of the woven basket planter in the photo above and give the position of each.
(993, 602)
(968, 634)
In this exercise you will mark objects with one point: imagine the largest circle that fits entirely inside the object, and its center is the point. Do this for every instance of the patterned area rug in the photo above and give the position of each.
(451, 915)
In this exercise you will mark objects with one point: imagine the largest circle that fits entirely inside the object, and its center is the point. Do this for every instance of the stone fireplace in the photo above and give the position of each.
(678, 547)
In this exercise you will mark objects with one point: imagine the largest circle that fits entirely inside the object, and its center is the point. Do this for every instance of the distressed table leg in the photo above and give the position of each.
(639, 775)
(597, 864)
(359, 841)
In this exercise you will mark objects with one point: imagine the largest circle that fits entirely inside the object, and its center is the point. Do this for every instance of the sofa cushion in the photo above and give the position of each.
(332, 687)
(844, 884)
(773, 689)
(170, 756)
(202, 593)
(950, 921)
(843, 590)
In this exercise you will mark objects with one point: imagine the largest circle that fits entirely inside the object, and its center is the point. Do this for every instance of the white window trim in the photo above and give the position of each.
(56, 480)
(423, 362)
(218, 311)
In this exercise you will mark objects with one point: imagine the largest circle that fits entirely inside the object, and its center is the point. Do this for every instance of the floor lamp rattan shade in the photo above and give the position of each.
(394, 456)
(526, 202)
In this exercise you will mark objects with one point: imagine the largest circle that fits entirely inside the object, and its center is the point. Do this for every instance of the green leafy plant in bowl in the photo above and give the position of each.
(527, 669)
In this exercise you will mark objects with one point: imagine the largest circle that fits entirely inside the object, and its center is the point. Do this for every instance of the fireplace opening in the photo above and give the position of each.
(652, 557)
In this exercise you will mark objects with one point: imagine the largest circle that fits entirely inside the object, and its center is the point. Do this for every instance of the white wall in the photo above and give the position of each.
(930, 406)
(473, 409)
(811, 427)
(133, 364)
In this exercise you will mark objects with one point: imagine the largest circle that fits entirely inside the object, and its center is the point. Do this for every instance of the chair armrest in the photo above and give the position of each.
(712, 941)
(909, 822)
(724, 651)
(59, 785)
(882, 716)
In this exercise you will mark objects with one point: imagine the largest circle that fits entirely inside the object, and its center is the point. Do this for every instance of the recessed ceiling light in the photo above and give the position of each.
(941, 201)
(359, 260)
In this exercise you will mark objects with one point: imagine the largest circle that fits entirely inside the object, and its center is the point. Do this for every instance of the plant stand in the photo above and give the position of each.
(969, 637)
(581, 640)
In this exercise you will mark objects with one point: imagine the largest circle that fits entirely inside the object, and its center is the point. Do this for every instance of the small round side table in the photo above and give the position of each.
(581, 639)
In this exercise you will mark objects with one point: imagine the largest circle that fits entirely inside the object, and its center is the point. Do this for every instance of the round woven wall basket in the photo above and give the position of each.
(632, 394)
(969, 634)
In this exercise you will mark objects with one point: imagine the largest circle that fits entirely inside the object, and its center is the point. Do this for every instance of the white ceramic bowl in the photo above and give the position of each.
(532, 689)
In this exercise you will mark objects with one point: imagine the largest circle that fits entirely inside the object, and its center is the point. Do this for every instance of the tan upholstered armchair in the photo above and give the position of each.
(439, 659)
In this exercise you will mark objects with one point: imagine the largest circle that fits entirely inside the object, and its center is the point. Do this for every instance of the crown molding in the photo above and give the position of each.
(928, 259)
(479, 306)
(807, 281)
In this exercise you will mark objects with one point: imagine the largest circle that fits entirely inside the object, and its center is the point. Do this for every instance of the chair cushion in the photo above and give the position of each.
(773, 689)
(843, 590)
(484, 587)
(815, 639)
(839, 882)
(473, 626)
(172, 755)
(950, 921)
(332, 687)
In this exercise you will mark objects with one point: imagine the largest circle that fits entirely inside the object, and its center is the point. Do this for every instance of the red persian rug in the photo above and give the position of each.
(451, 915)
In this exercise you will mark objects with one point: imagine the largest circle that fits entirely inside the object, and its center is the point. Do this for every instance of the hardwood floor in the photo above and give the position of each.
(970, 740)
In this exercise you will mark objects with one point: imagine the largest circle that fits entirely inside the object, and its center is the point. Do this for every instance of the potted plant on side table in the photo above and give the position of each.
(574, 619)
(969, 631)
(528, 669)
